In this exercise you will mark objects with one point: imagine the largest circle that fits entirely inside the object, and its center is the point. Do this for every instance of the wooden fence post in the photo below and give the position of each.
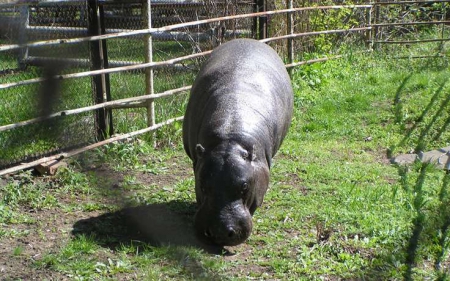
(376, 34)
(100, 83)
(369, 33)
(290, 30)
(443, 18)
(23, 29)
(149, 86)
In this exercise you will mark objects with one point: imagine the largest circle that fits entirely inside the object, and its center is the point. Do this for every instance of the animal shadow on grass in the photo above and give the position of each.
(156, 224)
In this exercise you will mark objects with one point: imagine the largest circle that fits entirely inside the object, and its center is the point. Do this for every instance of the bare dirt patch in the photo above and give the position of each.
(27, 243)
(51, 229)
(296, 181)
(241, 256)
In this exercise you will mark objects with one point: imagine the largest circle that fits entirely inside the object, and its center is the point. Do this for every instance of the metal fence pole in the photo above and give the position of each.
(262, 20)
(105, 78)
(23, 27)
(255, 20)
(149, 86)
(99, 82)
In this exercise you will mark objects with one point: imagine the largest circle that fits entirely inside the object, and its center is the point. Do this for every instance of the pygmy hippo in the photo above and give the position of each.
(238, 113)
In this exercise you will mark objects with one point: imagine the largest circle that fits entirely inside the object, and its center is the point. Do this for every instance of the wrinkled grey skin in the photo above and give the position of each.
(238, 113)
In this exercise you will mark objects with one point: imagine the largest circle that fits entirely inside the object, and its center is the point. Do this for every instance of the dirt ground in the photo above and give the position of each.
(54, 227)
(51, 232)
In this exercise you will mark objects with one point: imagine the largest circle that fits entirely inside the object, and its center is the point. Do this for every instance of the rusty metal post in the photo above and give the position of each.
(100, 83)
(262, 20)
(255, 20)
(105, 78)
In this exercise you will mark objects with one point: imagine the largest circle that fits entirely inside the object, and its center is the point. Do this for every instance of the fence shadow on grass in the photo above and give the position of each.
(398, 106)
(429, 232)
(430, 225)
(431, 222)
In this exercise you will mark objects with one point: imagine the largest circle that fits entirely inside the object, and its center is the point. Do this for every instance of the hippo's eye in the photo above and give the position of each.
(244, 189)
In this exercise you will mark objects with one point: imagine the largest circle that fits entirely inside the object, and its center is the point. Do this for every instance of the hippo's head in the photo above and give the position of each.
(230, 183)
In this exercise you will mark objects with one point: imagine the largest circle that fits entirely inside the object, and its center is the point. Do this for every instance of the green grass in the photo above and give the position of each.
(336, 208)
(22, 103)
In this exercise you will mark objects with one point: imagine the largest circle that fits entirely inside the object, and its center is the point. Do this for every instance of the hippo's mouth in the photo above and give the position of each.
(219, 240)
(230, 239)
(229, 232)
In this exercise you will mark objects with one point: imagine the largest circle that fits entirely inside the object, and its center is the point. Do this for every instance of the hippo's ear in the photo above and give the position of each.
(199, 149)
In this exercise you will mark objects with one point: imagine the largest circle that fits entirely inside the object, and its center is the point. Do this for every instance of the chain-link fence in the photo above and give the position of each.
(411, 22)
(63, 88)
(54, 24)
(35, 23)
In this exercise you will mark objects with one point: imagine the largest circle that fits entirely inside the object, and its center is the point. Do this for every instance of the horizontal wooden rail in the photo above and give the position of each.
(89, 147)
(411, 23)
(34, 60)
(410, 2)
(77, 31)
(107, 70)
(311, 61)
(109, 104)
(294, 64)
(296, 35)
(174, 26)
(109, 3)
(42, 3)
(421, 57)
(168, 62)
(412, 41)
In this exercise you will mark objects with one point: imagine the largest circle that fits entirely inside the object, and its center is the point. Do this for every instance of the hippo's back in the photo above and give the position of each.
(243, 90)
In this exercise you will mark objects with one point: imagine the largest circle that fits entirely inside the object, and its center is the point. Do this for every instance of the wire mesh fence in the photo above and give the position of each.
(410, 22)
(65, 20)
(54, 40)
(29, 23)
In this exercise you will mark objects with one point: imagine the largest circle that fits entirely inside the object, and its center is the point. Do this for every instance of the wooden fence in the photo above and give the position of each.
(371, 29)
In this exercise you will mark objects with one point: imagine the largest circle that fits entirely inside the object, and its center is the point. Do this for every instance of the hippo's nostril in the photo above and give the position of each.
(231, 232)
